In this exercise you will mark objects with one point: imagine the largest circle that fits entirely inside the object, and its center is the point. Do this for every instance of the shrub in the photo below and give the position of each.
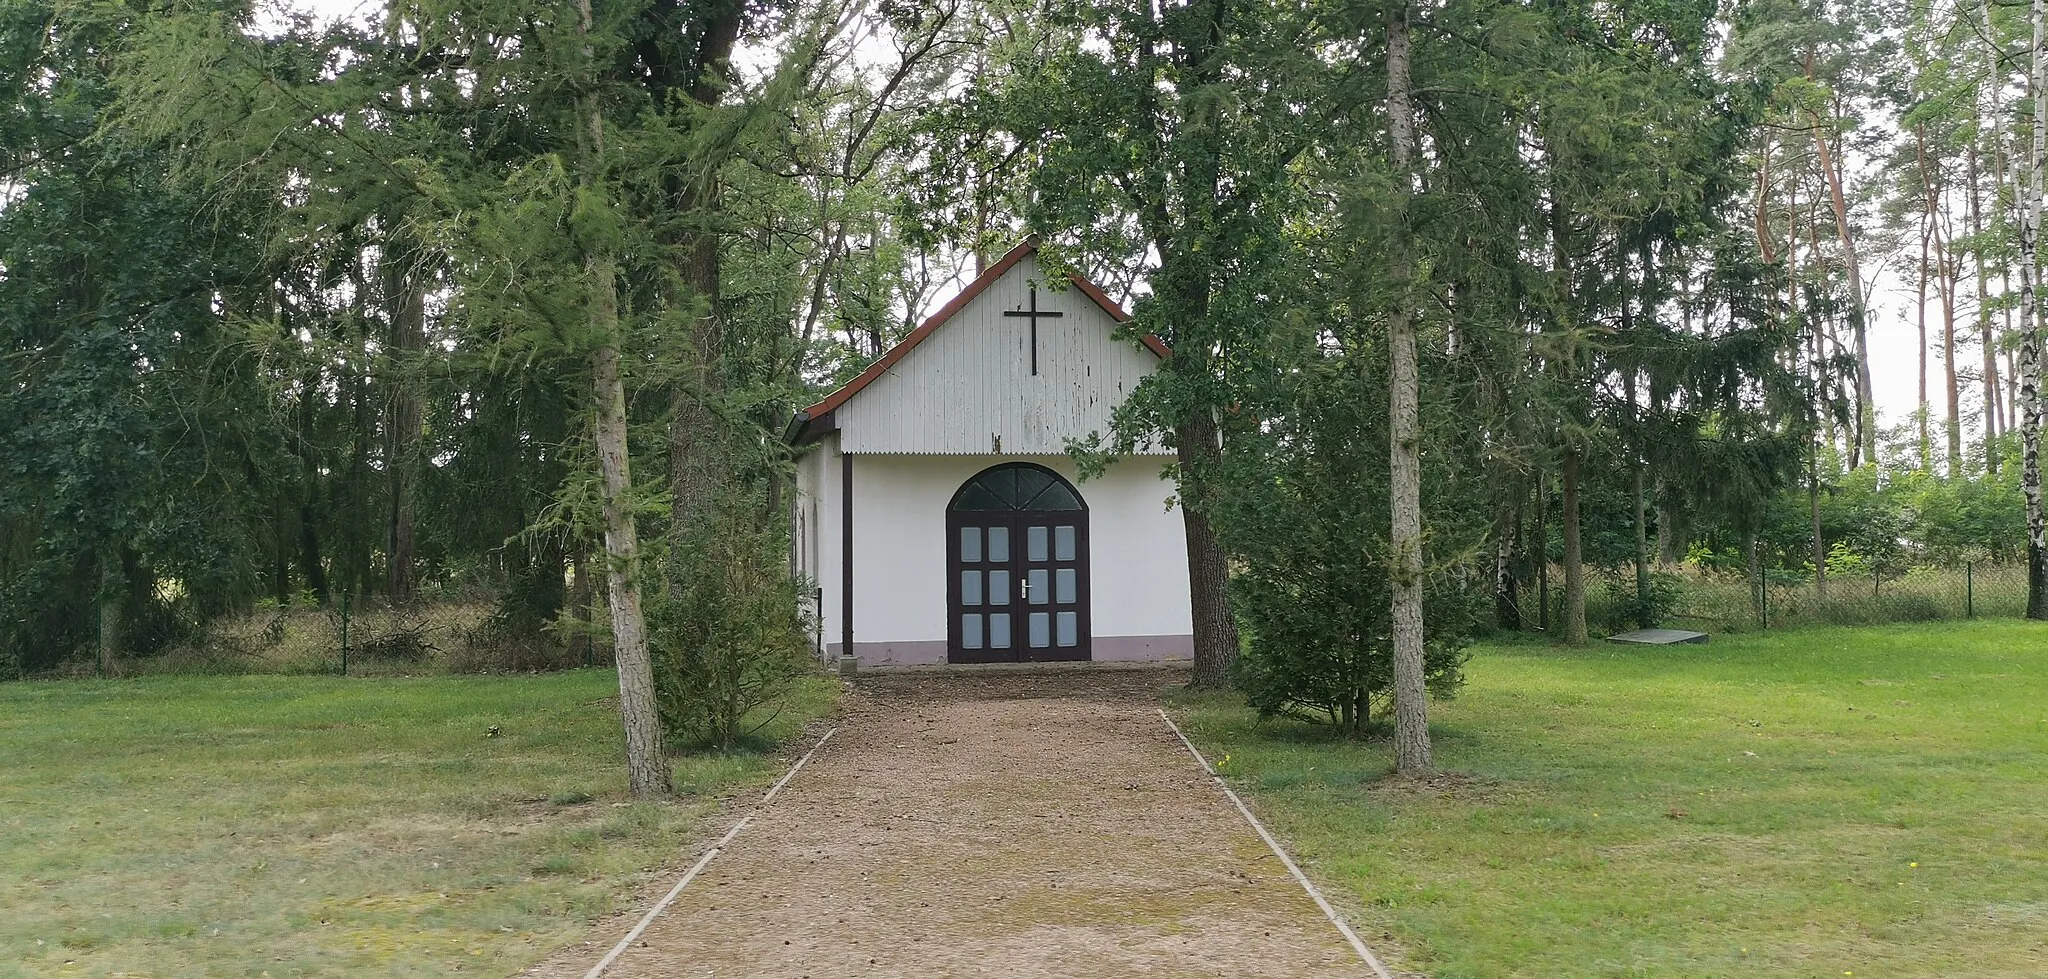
(1624, 609)
(1301, 502)
(1326, 657)
(1845, 563)
(726, 635)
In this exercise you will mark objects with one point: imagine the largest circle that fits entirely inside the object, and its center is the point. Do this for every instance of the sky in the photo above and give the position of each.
(1894, 353)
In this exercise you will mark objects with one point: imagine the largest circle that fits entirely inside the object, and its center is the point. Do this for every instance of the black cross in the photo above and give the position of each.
(1034, 312)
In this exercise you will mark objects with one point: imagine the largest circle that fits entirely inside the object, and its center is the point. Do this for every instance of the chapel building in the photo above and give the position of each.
(938, 514)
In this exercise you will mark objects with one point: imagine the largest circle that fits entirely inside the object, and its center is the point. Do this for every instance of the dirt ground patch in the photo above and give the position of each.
(1026, 825)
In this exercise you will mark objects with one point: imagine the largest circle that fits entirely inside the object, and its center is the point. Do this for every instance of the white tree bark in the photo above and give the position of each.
(1993, 83)
(2030, 330)
(1411, 699)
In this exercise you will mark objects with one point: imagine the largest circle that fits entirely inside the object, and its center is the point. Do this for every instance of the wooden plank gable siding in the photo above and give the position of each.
(967, 388)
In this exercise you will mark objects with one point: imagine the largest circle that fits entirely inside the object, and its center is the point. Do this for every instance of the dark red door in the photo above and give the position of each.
(1017, 557)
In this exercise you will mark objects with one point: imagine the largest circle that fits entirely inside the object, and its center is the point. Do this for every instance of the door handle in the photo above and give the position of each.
(1025, 580)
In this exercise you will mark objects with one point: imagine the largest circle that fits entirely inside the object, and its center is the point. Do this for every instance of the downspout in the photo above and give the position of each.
(845, 556)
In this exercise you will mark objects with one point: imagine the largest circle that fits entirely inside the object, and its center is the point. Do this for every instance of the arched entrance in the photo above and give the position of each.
(1017, 563)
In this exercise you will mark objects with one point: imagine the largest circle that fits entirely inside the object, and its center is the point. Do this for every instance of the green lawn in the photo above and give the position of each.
(286, 826)
(1817, 803)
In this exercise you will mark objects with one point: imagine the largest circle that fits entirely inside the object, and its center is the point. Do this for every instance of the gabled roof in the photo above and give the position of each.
(816, 419)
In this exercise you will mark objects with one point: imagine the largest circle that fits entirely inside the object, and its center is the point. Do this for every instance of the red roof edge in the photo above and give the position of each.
(798, 431)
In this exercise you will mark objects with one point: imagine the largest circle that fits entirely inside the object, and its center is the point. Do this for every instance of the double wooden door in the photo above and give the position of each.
(1018, 586)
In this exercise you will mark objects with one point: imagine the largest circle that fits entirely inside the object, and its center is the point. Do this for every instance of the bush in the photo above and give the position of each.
(1624, 609)
(1302, 506)
(726, 636)
(1328, 658)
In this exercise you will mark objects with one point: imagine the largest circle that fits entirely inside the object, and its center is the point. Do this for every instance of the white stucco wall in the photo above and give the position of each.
(1138, 581)
(814, 533)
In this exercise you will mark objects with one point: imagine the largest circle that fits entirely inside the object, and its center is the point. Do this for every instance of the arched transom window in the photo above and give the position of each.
(1017, 486)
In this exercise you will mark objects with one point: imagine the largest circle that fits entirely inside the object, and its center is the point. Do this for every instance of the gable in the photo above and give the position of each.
(964, 381)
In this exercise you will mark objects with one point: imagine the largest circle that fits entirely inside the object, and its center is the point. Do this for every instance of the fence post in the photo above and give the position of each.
(1969, 590)
(344, 633)
(1764, 607)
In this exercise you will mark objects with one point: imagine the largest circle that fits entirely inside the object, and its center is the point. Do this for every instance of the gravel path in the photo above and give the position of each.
(1013, 825)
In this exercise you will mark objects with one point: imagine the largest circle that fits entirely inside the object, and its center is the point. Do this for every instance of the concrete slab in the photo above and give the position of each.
(1658, 637)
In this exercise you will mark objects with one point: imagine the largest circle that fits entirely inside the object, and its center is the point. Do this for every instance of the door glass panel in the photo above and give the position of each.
(970, 588)
(970, 632)
(999, 631)
(1036, 592)
(1063, 593)
(1062, 543)
(1034, 543)
(1040, 626)
(998, 544)
(1069, 628)
(999, 587)
(970, 545)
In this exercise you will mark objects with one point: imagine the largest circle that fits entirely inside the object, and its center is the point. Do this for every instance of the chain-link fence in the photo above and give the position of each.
(1713, 602)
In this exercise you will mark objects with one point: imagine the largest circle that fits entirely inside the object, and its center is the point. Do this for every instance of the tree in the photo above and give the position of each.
(2030, 325)
(1411, 703)
(1162, 133)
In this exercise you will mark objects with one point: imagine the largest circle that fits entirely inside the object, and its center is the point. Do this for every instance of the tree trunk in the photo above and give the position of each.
(699, 460)
(1753, 567)
(1764, 243)
(1859, 317)
(312, 565)
(1984, 328)
(1542, 552)
(647, 771)
(581, 599)
(406, 306)
(1216, 641)
(1820, 544)
(1404, 395)
(1574, 565)
(112, 600)
(1670, 543)
(646, 763)
(2030, 332)
(1998, 177)
(357, 547)
(1920, 305)
(1507, 521)
(1947, 273)
(1646, 612)
(282, 544)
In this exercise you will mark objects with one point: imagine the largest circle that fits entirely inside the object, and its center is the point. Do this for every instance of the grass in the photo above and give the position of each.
(1816, 803)
(297, 826)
